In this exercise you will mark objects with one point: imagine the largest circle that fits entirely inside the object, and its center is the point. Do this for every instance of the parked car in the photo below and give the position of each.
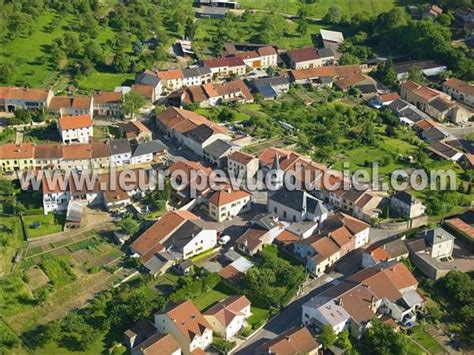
(224, 240)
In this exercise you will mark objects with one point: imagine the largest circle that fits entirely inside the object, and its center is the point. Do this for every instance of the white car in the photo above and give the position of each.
(224, 240)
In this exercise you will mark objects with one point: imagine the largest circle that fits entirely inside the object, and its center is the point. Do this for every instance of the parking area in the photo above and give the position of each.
(463, 258)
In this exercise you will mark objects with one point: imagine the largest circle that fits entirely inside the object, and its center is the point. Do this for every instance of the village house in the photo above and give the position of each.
(147, 91)
(187, 325)
(325, 76)
(172, 79)
(189, 175)
(304, 58)
(75, 129)
(225, 67)
(76, 157)
(136, 130)
(296, 205)
(460, 90)
(47, 156)
(429, 68)
(406, 205)
(146, 152)
(261, 57)
(407, 113)
(108, 104)
(190, 129)
(230, 4)
(179, 233)
(271, 88)
(319, 253)
(229, 316)
(430, 252)
(120, 152)
(15, 157)
(293, 341)
(100, 155)
(12, 98)
(386, 289)
(152, 80)
(196, 76)
(386, 250)
(55, 196)
(263, 230)
(158, 343)
(212, 94)
(138, 332)
(72, 106)
(217, 152)
(242, 164)
(227, 203)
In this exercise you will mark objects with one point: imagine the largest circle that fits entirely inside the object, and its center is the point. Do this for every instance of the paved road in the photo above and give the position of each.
(288, 318)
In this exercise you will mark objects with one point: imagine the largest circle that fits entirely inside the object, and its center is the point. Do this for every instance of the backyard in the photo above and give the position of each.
(39, 225)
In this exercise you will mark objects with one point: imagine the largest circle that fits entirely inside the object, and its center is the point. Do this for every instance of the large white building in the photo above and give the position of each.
(228, 203)
(187, 325)
(75, 129)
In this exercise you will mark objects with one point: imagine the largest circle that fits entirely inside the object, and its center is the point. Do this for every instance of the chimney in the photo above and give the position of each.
(288, 338)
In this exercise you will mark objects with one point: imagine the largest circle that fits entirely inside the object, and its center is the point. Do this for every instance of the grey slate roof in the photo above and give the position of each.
(326, 52)
(398, 105)
(272, 80)
(147, 79)
(405, 197)
(434, 135)
(218, 148)
(200, 134)
(440, 104)
(120, 146)
(436, 235)
(198, 71)
(266, 91)
(182, 236)
(147, 148)
(299, 201)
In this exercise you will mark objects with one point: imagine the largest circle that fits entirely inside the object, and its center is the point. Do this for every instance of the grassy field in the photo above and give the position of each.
(426, 340)
(206, 300)
(320, 7)
(105, 81)
(11, 239)
(48, 224)
(32, 64)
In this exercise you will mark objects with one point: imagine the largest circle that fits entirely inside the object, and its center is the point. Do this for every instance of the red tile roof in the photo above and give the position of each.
(17, 151)
(170, 74)
(75, 122)
(16, 93)
(226, 196)
(187, 318)
(240, 157)
(224, 62)
(303, 54)
(460, 85)
(78, 102)
(160, 230)
(77, 151)
(159, 343)
(226, 310)
(293, 341)
(108, 97)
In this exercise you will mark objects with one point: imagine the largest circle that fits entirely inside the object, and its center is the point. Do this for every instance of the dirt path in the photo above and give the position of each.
(92, 220)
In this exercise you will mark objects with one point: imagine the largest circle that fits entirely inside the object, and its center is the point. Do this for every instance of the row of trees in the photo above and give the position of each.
(395, 33)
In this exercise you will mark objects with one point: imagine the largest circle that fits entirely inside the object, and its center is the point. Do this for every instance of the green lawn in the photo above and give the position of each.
(48, 224)
(105, 81)
(320, 7)
(259, 315)
(207, 299)
(11, 239)
(426, 340)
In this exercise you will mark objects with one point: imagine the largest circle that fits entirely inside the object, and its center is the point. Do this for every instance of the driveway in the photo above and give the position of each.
(289, 317)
